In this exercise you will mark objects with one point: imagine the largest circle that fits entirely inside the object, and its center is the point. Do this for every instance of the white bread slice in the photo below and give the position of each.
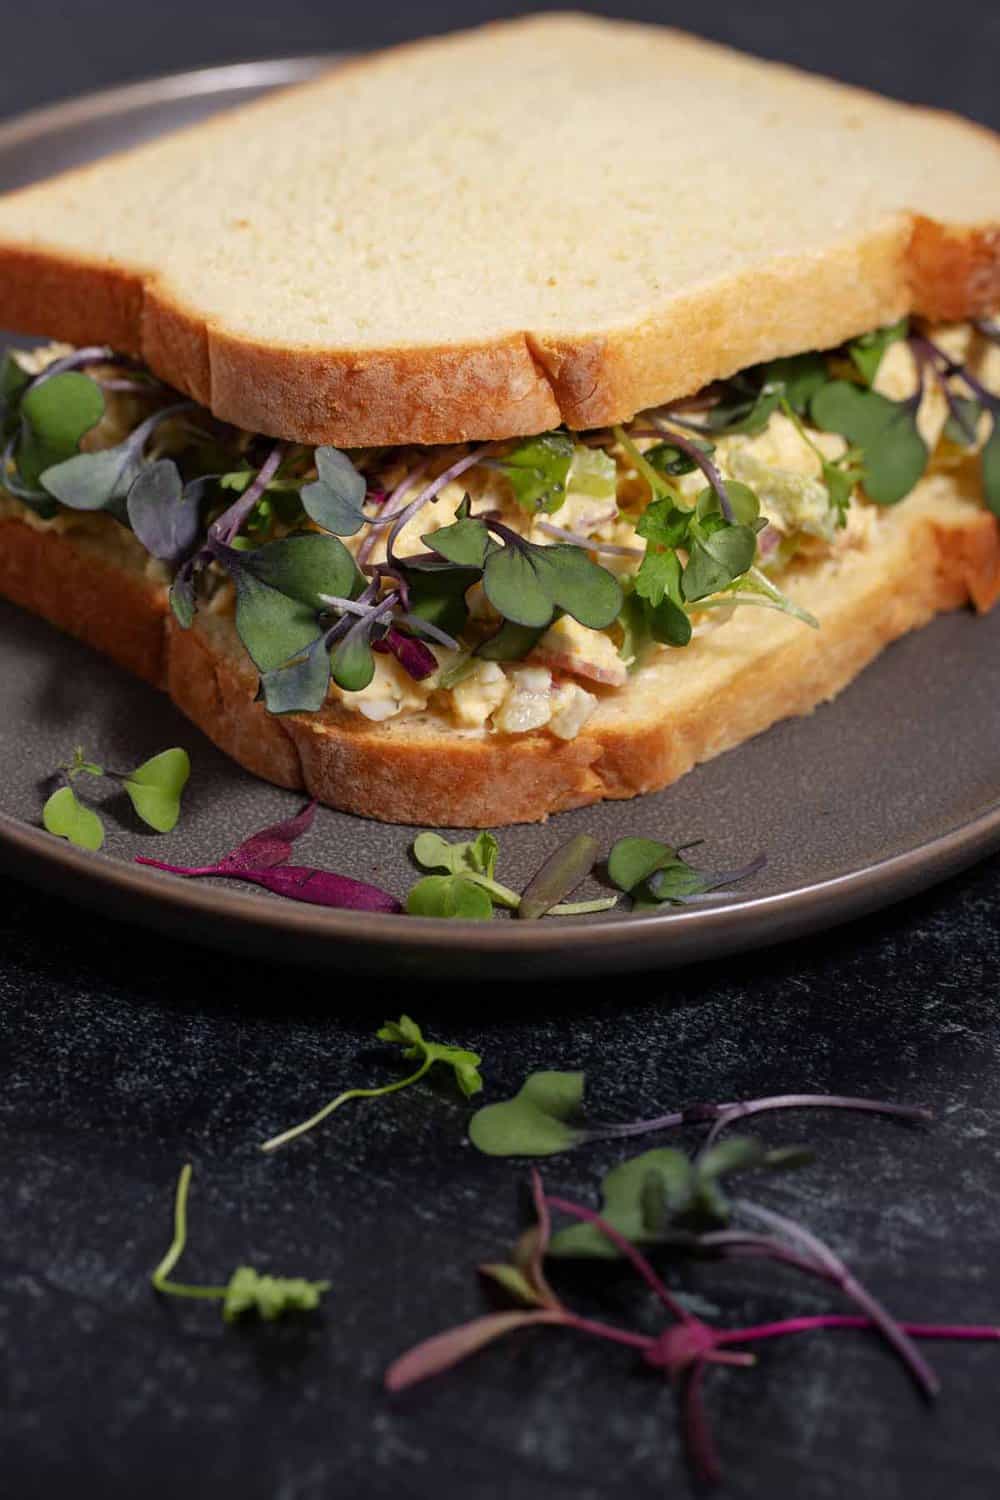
(935, 551)
(558, 219)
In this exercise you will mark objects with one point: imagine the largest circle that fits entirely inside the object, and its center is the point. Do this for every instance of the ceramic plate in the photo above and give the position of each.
(872, 797)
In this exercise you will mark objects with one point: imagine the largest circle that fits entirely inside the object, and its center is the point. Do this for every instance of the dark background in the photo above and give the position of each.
(124, 1055)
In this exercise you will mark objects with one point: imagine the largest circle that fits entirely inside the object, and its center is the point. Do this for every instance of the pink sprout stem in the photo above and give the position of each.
(626, 1248)
(760, 1331)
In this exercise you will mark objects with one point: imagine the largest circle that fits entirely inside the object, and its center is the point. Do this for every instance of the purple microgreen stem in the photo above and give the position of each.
(624, 1247)
(704, 463)
(390, 508)
(431, 491)
(722, 1115)
(227, 526)
(574, 537)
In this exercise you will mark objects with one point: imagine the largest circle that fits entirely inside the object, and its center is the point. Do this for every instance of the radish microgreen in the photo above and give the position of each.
(154, 789)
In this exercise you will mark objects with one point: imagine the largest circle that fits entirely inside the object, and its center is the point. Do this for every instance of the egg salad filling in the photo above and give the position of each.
(507, 586)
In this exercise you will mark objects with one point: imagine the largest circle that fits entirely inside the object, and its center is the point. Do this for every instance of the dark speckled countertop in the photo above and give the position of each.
(122, 1056)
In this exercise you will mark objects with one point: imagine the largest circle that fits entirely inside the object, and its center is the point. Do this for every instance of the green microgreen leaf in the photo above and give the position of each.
(577, 585)
(352, 663)
(68, 819)
(511, 642)
(155, 788)
(654, 873)
(632, 1198)
(744, 408)
(55, 415)
(335, 500)
(537, 471)
(800, 376)
(990, 461)
(449, 896)
(962, 425)
(164, 513)
(305, 567)
(273, 627)
(302, 684)
(477, 856)
(868, 350)
(673, 462)
(94, 481)
(513, 586)
(895, 455)
(246, 1290)
(405, 1033)
(535, 1122)
(633, 860)
(438, 596)
(465, 542)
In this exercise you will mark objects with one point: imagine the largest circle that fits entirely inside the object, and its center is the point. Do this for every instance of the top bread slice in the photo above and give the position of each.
(560, 219)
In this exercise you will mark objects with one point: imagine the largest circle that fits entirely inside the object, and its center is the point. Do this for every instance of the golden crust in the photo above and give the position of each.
(421, 771)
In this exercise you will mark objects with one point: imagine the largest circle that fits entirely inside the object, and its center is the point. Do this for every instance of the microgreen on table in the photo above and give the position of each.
(246, 1290)
(154, 789)
(544, 1118)
(404, 1033)
(665, 1200)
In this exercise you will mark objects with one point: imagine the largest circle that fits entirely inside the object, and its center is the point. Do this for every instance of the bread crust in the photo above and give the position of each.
(423, 771)
(522, 382)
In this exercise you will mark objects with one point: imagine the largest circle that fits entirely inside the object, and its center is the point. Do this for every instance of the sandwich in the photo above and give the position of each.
(509, 420)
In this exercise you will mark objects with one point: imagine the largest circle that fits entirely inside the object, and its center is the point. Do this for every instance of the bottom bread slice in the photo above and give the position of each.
(937, 550)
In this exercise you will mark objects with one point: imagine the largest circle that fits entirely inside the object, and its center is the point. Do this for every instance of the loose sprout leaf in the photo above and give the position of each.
(535, 1121)
(273, 627)
(68, 819)
(561, 873)
(990, 460)
(800, 376)
(269, 1296)
(537, 471)
(304, 568)
(352, 664)
(579, 586)
(335, 500)
(637, 1197)
(301, 685)
(449, 896)
(155, 788)
(407, 1034)
(511, 642)
(465, 543)
(633, 860)
(868, 350)
(55, 415)
(513, 585)
(164, 513)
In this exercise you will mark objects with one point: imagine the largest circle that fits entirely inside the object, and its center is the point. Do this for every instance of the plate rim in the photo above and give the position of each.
(677, 935)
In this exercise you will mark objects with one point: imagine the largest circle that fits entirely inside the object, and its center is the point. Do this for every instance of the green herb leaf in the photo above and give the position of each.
(895, 455)
(55, 415)
(633, 860)
(744, 408)
(68, 819)
(407, 1034)
(634, 1197)
(535, 1121)
(301, 685)
(513, 585)
(511, 642)
(449, 896)
(305, 567)
(273, 627)
(466, 542)
(799, 377)
(352, 663)
(478, 855)
(962, 425)
(13, 383)
(155, 788)
(577, 585)
(537, 471)
(94, 481)
(335, 500)
(514, 1282)
(269, 1296)
(673, 462)
(868, 350)
(717, 559)
(438, 596)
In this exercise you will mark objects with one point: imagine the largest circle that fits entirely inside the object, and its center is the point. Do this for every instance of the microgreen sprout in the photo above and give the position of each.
(246, 1290)
(469, 888)
(654, 873)
(648, 1198)
(403, 1033)
(544, 1118)
(154, 789)
(262, 859)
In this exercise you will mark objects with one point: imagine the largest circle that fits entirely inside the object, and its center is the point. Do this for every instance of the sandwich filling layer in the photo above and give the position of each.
(510, 587)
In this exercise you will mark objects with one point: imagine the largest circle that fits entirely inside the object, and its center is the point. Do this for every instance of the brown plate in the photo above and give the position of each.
(888, 789)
